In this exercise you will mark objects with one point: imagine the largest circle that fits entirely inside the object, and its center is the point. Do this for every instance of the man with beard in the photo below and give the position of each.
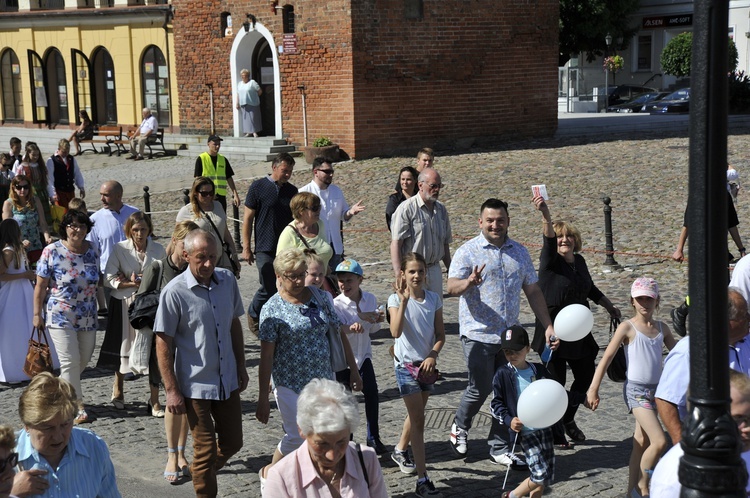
(421, 225)
(488, 273)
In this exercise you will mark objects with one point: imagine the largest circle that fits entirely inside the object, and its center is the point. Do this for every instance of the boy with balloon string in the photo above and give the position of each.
(643, 338)
(509, 383)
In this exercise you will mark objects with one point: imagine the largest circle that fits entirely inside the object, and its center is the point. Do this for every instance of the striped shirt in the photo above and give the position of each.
(423, 230)
(85, 471)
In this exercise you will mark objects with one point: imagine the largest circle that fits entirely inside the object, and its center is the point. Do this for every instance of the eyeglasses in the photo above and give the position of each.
(76, 226)
(11, 461)
(314, 209)
(205, 193)
(25, 186)
(296, 276)
(326, 171)
(434, 186)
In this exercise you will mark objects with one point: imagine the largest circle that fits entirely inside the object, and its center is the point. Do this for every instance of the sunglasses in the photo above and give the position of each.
(25, 186)
(205, 193)
(11, 461)
(326, 171)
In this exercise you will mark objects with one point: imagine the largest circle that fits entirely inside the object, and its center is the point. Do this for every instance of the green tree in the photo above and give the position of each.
(676, 56)
(585, 24)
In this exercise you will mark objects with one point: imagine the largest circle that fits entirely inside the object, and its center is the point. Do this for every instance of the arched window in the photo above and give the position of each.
(57, 87)
(11, 85)
(104, 88)
(155, 84)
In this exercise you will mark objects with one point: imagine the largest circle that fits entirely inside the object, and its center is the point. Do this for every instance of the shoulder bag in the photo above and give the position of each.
(142, 310)
(329, 283)
(38, 358)
(618, 368)
(338, 356)
(224, 245)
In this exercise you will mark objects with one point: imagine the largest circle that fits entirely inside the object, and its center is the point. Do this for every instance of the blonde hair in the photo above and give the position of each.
(313, 257)
(45, 398)
(181, 229)
(137, 217)
(563, 228)
(291, 259)
(78, 204)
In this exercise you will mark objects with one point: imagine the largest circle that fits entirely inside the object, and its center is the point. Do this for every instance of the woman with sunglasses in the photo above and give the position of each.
(306, 231)
(36, 171)
(208, 214)
(26, 208)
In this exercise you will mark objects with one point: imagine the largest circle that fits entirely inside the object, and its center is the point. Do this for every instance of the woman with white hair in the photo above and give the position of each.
(327, 464)
(248, 103)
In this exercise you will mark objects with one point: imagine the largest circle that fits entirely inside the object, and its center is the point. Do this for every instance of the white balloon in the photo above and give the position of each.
(542, 404)
(574, 322)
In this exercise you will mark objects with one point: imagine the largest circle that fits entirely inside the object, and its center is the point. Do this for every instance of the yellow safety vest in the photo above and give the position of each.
(218, 175)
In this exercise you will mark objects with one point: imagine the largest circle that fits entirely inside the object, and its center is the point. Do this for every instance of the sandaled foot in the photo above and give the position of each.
(83, 417)
(573, 432)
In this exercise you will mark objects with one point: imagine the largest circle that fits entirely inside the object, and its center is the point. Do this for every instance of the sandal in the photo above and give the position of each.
(184, 469)
(83, 417)
(573, 432)
(118, 403)
(172, 477)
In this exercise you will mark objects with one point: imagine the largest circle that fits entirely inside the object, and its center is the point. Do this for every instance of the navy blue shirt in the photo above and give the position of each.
(272, 212)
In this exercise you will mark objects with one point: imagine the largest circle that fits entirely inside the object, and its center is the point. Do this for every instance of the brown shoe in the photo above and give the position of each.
(253, 325)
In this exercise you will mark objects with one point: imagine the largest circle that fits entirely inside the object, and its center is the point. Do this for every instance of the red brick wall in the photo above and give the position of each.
(474, 68)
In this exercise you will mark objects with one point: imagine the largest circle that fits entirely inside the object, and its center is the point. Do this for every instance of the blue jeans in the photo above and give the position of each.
(267, 280)
(480, 363)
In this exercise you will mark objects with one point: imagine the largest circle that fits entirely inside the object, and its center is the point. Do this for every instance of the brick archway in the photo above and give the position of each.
(243, 55)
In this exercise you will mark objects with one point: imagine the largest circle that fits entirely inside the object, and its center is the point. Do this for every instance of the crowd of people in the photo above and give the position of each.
(313, 320)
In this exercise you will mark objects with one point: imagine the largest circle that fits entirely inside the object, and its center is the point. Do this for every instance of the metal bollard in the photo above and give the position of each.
(186, 196)
(237, 237)
(609, 246)
(147, 202)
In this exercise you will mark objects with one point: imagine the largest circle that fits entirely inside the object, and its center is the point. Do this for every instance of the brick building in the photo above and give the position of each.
(376, 76)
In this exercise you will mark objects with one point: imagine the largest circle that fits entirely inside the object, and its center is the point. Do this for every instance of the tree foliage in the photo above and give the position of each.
(677, 55)
(585, 24)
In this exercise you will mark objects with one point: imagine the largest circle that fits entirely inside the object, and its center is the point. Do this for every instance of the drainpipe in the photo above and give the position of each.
(211, 101)
(301, 88)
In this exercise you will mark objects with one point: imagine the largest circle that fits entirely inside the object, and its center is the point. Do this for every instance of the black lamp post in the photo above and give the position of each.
(607, 39)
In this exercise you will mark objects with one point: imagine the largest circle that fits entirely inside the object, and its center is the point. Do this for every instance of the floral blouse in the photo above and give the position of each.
(71, 301)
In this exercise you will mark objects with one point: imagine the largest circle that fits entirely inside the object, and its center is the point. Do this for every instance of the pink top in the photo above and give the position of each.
(295, 476)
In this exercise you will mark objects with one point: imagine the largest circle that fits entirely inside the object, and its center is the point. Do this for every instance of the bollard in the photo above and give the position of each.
(186, 196)
(147, 202)
(609, 246)
(237, 237)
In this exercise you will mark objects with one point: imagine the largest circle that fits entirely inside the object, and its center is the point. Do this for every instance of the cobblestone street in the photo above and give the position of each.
(645, 175)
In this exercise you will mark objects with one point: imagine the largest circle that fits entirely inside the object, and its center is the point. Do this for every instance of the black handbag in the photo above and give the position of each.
(225, 246)
(618, 368)
(142, 311)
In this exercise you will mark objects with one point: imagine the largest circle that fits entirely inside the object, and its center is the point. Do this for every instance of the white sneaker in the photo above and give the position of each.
(459, 440)
(511, 460)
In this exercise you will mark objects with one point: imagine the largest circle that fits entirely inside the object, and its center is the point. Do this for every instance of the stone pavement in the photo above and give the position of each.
(647, 181)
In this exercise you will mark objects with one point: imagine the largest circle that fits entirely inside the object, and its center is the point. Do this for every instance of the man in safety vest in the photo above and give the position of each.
(213, 165)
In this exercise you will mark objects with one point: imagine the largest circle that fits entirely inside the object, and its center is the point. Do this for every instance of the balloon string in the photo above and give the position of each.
(512, 452)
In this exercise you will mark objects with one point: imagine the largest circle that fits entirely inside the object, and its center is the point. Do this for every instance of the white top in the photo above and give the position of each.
(741, 277)
(346, 309)
(124, 259)
(247, 93)
(418, 335)
(148, 124)
(108, 230)
(333, 207)
(644, 357)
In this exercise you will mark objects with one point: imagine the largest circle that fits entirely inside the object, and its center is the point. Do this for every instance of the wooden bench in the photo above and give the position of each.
(154, 140)
(106, 135)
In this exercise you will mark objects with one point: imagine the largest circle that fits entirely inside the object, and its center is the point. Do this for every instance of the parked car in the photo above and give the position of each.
(638, 102)
(675, 102)
(623, 93)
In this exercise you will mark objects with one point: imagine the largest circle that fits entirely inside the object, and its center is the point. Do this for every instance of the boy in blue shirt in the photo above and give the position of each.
(509, 382)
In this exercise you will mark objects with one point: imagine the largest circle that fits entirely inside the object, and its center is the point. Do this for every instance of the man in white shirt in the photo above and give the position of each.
(333, 206)
(142, 135)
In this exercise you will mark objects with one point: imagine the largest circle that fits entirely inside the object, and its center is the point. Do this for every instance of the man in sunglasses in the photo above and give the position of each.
(421, 224)
(334, 208)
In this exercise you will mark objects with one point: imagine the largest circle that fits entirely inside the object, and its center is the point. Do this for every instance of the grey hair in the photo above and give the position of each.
(147, 109)
(192, 238)
(428, 171)
(324, 406)
(736, 310)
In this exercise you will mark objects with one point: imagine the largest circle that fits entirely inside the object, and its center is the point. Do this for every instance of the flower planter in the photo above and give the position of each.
(330, 152)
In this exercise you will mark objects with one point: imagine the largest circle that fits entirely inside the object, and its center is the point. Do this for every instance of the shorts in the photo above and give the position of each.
(407, 384)
(540, 455)
(639, 395)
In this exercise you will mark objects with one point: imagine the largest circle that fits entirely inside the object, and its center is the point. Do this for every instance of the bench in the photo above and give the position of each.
(154, 140)
(106, 135)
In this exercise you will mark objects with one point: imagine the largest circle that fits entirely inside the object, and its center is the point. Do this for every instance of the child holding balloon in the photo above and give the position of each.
(643, 338)
(510, 381)
(417, 324)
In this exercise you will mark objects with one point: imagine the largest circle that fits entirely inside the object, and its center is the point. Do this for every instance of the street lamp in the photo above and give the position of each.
(607, 39)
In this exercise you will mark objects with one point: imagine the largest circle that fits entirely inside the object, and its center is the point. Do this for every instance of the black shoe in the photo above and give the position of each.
(130, 376)
(679, 318)
(378, 446)
(573, 432)
(103, 313)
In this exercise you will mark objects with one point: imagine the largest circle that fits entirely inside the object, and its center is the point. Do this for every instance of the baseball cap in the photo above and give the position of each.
(349, 266)
(645, 287)
(515, 338)
(214, 138)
